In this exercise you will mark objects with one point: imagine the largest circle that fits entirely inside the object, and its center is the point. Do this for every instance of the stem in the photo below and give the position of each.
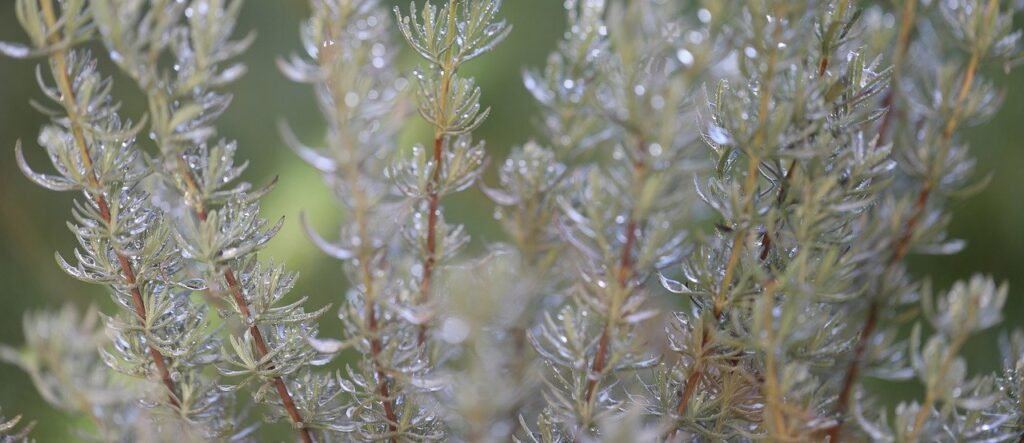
(383, 388)
(692, 380)
(947, 137)
(71, 105)
(903, 244)
(365, 260)
(376, 345)
(854, 370)
(433, 191)
(749, 187)
(261, 347)
(766, 239)
(840, 12)
(947, 361)
(434, 201)
(906, 25)
(625, 272)
(243, 307)
(771, 383)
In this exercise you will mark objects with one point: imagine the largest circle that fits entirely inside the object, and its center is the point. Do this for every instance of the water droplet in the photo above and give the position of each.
(657, 102)
(655, 149)
(718, 135)
(454, 330)
(704, 15)
(685, 57)
(351, 99)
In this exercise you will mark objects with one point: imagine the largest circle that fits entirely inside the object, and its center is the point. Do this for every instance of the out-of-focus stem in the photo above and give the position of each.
(903, 244)
(903, 43)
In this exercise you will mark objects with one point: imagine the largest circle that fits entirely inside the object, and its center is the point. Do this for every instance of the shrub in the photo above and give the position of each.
(777, 178)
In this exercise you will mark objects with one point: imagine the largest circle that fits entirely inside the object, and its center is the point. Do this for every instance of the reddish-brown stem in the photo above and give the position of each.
(366, 261)
(598, 366)
(140, 308)
(823, 65)
(243, 307)
(883, 128)
(261, 348)
(433, 201)
(626, 262)
(376, 346)
(871, 323)
(692, 380)
(383, 388)
(903, 244)
(448, 69)
(625, 270)
(71, 103)
(888, 103)
(854, 370)
(721, 298)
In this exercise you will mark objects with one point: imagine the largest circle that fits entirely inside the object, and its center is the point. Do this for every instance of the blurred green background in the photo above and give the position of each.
(32, 219)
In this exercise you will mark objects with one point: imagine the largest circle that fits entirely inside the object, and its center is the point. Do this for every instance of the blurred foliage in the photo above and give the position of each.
(32, 220)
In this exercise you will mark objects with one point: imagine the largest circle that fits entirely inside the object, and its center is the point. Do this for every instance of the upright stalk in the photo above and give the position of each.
(59, 58)
(904, 241)
(433, 190)
(365, 256)
(749, 188)
(902, 44)
(625, 272)
(243, 306)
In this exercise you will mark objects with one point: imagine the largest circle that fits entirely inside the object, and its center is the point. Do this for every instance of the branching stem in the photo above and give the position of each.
(905, 240)
(433, 191)
(749, 188)
(243, 307)
(365, 253)
(624, 274)
(59, 58)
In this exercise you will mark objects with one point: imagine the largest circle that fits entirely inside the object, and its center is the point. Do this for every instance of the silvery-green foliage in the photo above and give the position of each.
(1011, 384)
(446, 37)
(348, 61)
(60, 356)
(159, 334)
(533, 176)
(774, 162)
(197, 35)
(956, 407)
(930, 105)
(217, 219)
(12, 432)
(793, 170)
(621, 213)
